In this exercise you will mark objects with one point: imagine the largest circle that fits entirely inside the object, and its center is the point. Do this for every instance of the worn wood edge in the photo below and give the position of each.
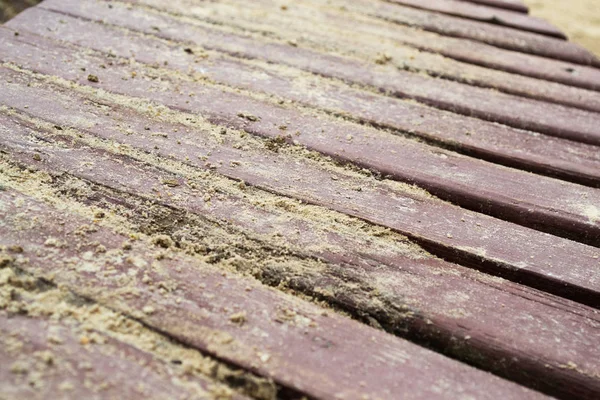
(439, 242)
(434, 331)
(515, 5)
(484, 13)
(572, 221)
(563, 159)
(467, 51)
(451, 96)
(169, 317)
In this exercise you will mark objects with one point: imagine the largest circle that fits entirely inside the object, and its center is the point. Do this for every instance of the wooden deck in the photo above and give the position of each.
(323, 199)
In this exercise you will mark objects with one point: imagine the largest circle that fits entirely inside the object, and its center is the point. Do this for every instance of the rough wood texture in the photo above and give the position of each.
(470, 51)
(43, 359)
(444, 301)
(499, 36)
(368, 46)
(297, 344)
(449, 231)
(238, 198)
(552, 207)
(566, 122)
(486, 14)
(555, 157)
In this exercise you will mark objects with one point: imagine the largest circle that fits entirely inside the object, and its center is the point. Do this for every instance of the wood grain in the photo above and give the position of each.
(323, 356)
(441, 305)
(326, 199)
(487, 14)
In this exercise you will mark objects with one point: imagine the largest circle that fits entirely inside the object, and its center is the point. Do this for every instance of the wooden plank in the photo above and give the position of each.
(556, 206)
(469, 51)
(319, 354)
(514, 5)
(329, 29)
(44, 359)
(487, 14)
(332, 31)
(446, 306)
(503, 37)
(499, 36)
(334, 27)
(573, 161)
(566, 122)
(568, 269)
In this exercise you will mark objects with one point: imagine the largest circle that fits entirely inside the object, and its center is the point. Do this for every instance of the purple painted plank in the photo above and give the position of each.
(253, 18)
(546, 118)
(469, 51)
(499, 36)
(318, 354)
(294, 24)
(446, 25)
(369, 39)
(46, 359)
(486, 14)
(522, 254)
(201, 320)
(515, 5)
(555, 157)
(555, 206)
(407, 58)
(444, 301)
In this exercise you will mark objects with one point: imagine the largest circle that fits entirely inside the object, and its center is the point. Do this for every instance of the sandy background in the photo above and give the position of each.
(579, 19)
(10, 8)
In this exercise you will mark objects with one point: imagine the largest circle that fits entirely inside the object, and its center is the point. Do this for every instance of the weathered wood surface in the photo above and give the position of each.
(515, 5)
(472, 52)
(424, 312)
(368, 45)
(545, 118)
(499, 36)
(486, 14)
(469, 241)
(555, 206)
(566, 159)
(295, 343)
(43, 359)
(473, 242)
(167, 160)
(496, 35)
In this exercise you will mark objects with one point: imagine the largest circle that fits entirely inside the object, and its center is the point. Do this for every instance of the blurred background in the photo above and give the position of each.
(579, 19)
(10, 8)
